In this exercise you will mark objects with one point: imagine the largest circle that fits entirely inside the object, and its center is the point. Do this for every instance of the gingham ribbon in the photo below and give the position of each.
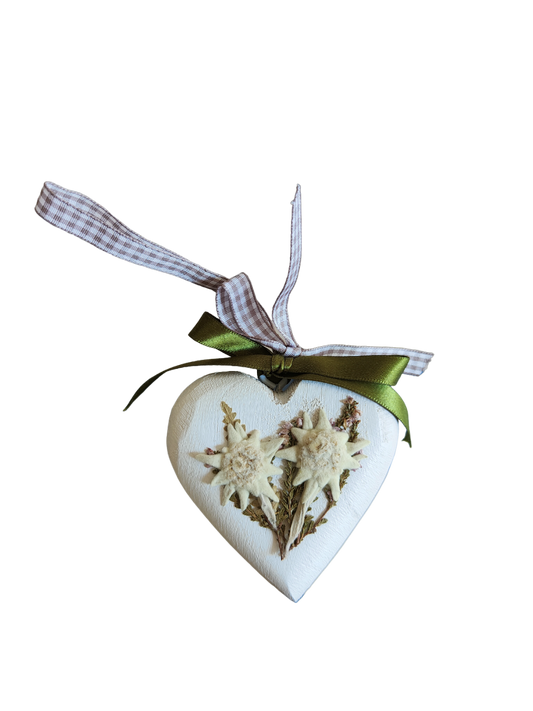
(237, 306)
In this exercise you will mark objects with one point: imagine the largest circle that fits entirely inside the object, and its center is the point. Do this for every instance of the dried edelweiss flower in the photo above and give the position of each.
(322, 454)
(244, 465)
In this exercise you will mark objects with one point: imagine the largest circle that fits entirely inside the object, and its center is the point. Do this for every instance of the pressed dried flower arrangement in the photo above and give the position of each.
(315, 459)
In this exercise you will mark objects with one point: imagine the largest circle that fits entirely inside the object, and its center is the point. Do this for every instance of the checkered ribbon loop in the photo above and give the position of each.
(235, 300)
(237, 305)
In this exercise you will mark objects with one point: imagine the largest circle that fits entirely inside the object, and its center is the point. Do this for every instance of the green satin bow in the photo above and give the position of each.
(371, 376)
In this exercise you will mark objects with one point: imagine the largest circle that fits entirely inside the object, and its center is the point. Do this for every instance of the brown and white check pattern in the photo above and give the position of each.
(237, 306)
(81, 216)
(240, 308)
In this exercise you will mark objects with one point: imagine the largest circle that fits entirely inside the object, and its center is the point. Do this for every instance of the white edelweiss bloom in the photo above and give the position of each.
(322, 454)
(244, 465)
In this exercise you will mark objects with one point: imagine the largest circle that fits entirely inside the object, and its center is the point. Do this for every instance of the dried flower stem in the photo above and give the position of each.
(315, 524)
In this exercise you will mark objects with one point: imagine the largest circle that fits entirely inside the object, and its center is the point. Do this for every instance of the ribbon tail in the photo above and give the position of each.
(212, 363)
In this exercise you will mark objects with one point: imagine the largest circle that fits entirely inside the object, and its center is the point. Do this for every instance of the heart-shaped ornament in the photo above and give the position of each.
(287, 479)
(196, 425)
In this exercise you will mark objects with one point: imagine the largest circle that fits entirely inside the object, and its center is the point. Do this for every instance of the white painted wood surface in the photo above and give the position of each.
(196, 423)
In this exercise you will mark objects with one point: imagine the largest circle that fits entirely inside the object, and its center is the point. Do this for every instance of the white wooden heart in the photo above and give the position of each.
(196, 423)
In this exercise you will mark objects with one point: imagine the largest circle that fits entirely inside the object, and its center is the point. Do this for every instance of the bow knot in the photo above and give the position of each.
(280, 363)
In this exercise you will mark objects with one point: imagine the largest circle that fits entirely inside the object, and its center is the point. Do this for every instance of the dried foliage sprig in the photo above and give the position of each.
(230, 417)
